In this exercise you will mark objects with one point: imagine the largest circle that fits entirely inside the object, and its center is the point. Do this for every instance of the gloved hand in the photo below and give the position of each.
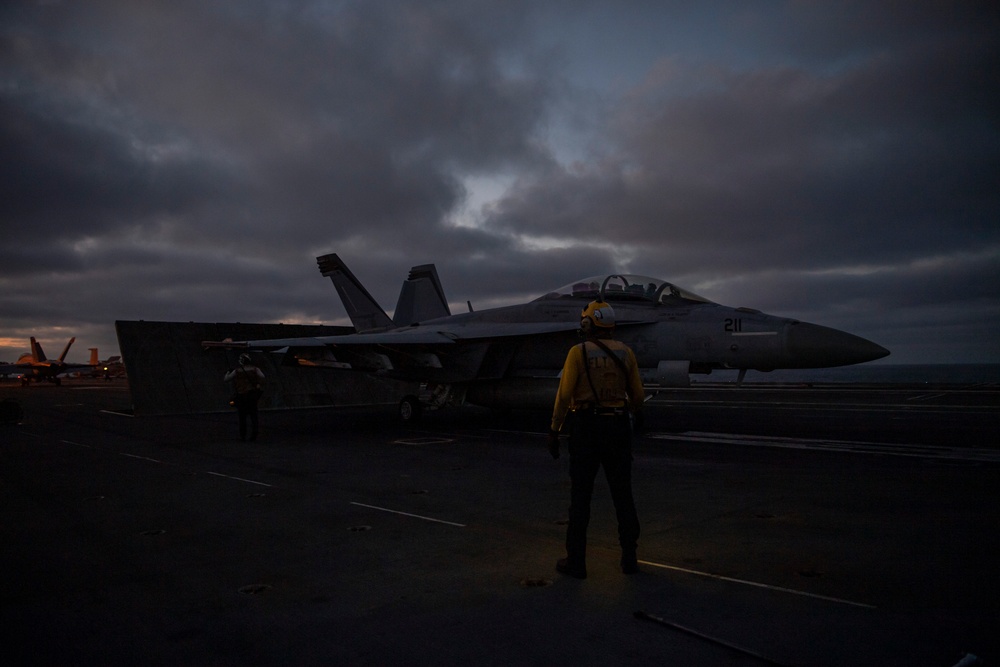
(554, 443)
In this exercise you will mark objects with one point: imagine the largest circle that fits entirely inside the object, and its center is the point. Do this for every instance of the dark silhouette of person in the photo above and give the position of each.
(599, 391)
(249, 384)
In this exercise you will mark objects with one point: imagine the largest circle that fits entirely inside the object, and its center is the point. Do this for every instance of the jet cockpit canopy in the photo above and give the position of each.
(622, 287)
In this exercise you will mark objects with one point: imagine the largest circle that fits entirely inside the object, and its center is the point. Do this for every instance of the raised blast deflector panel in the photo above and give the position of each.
(170, 372)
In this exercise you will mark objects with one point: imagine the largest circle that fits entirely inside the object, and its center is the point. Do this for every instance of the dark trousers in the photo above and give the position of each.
(246, 406)
(600, 441)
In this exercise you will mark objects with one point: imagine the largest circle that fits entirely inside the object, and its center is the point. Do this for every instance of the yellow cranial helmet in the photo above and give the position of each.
(600, 314)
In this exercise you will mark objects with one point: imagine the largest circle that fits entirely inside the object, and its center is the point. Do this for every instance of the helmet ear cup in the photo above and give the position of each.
(599, 314)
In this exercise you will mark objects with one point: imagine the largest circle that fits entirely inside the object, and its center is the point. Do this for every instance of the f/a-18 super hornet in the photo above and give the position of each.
(511, 356)
(35, 365)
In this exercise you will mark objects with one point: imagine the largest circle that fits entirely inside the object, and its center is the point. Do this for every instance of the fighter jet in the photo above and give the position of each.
(35, 366)
(512, 356)
(107, 369)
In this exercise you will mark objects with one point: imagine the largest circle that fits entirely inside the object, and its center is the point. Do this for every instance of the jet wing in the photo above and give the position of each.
(47, 369)
(447, 353)
(426, 335)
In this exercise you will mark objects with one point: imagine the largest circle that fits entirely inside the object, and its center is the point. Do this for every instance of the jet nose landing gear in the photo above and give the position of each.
(409, 409)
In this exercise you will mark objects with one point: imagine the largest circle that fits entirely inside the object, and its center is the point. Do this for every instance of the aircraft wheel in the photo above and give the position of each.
(409, 409)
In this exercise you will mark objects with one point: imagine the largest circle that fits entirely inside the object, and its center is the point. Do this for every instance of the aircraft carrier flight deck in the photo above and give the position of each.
(793, 526)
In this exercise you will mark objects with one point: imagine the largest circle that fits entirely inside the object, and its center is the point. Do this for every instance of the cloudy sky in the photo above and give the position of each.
(838, 162)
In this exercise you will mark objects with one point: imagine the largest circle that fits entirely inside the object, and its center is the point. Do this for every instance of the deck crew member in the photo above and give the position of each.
(599, 392)
(249, 385)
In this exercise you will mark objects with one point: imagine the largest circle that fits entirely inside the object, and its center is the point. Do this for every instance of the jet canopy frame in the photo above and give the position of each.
(618, 287)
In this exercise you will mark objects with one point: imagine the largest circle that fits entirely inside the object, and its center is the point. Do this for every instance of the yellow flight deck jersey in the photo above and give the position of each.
(614, 390)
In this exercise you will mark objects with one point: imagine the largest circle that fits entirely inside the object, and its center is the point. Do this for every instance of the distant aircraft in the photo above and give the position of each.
(107, 369)
(512, 356)
(35, 366)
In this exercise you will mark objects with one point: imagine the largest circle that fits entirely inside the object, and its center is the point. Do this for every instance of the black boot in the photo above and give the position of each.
(630, 564)
(564, 566)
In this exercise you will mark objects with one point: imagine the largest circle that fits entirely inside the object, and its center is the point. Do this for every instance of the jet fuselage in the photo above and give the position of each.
(510, 355)
(708, 335)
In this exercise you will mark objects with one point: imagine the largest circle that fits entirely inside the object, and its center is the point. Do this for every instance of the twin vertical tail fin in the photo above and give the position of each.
(364, 311)
(36, 351)
(62, 357)
(421, 297)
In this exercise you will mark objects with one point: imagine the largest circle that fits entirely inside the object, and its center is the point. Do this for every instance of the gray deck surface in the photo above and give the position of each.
(808, 526)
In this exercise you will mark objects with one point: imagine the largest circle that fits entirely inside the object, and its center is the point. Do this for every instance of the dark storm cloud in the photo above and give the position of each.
(63, 180)
(338, 119)
(138, 137)
(188, 160)
(889, 158)
(831, 34)
(320, 117)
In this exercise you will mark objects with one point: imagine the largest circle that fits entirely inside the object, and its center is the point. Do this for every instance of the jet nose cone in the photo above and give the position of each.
(821, 347)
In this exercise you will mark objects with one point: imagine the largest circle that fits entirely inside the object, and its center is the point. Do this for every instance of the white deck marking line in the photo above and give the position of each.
(141, 458)
(758, 584)
(70, 442)
(859, 447)
(417, 442)
(238, 479)
(116, 412)
(146, 458)
(415, 516)
(904, 408)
